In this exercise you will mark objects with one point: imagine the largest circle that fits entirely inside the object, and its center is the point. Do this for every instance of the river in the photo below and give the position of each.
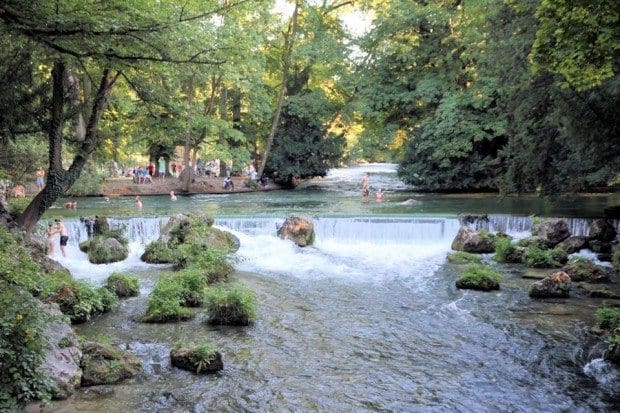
(367, 319)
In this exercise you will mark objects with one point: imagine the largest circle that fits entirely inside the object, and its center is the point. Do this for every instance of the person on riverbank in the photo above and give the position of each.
(138, 202)
(228, 183)
(64, 237)
(161, 167)
(51, 234)
(365, 186)
(379, 195)
(40, 174)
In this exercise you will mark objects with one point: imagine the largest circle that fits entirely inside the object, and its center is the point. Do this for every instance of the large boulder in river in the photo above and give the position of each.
(104, 364)
(573, 244)
(106, 250)
(553, 231)
(63, 355)
(474, 221)
(582, 269)
(601, 230)
(554, 286)
(198, 359)
(297, 229)
(468, 240)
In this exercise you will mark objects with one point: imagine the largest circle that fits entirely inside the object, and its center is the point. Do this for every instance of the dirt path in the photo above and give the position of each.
(202, 185)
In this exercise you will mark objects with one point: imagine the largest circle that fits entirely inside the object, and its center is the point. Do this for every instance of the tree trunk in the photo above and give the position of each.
(187, 172)
(224, 117)
(288, 51)
(60, 180)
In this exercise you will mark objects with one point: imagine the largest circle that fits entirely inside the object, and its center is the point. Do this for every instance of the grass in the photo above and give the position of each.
(123, 285)
(539, 258)
(505, 251)
(461, 257)
(608, 318)
(158, 252)
(479, 277)
(231, 305)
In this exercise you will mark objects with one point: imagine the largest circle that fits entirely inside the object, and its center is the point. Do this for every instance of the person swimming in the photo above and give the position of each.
(138, 202)
(173, 197)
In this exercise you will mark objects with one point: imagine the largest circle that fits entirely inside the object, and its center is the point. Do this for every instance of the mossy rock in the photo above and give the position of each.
(201, 359)
(80, 300)
(84, 246)
(158, 252)
(461, 257)
(538, 242)
(507, 252)
(233, 305)
(538, 258)
(104, 364)
(166, 301)
(106, 250)
(582, 269)
(478, 277)
(123, 285)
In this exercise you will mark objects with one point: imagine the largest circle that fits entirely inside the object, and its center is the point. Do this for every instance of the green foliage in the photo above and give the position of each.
(158, 252)
(200, 355)
(100, 253)
(85, 300)
(231, 305)
(171, 294)
(608, 318)
(505, 251)
(479, 277)
(460, 257)
(212, 263)
(22, 349)
(538, 258)
(89, 183)
(578, 40)
(16, 264)
(123, 285)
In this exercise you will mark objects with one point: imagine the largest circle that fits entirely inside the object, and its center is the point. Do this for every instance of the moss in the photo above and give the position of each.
(583, 269)
(123, 285)
(201, 358)
(539, 258)
(559, 256)
(234, 305)
(608, 318)
(505, 251)
(99, 252)
(478, 277)
(461, 257)
(158, 252)
(84, 246)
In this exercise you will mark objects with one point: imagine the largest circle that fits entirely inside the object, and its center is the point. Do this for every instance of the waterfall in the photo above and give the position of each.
(522, 224)
(136, 230)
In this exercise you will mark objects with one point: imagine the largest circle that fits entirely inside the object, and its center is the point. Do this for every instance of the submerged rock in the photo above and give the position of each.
(553, 231)
(472, 241)
(104, 364)
(62, 359)
(554, 286)
(573, 244)
(297, 229)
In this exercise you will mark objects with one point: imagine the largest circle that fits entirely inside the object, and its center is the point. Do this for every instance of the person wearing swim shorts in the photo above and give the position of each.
(64, 237)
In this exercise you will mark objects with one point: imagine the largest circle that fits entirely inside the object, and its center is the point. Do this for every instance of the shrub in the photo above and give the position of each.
(165, 301)
(559, 255)
(213, 262)
(478, 277)
(461, 257)
(89, 182)
(608, 318)
(234, 305)
(539, 258)
(158, 252)
(22, 349)
(505, 251)
(86, 301)
(16, 264)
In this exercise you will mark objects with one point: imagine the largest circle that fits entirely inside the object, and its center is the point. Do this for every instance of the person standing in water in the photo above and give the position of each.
(173, 197)
(64, 237)
(51, 233)
(379, 195)
(138, 202)
(365, 186)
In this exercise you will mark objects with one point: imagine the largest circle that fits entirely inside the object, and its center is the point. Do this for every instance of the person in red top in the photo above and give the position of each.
(151, 168)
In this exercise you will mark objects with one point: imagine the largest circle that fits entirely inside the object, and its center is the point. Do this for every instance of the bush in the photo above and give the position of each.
(165, 301)
(505, 251)
(235, 305)
(158, 252)
(478, 277)
(123, 285)
(89, 182)
(82, 300)
(213, 262)
(608, 318)
(559, 256)
(16, 264)
(461, 257)
(22, 349)
(539, 258)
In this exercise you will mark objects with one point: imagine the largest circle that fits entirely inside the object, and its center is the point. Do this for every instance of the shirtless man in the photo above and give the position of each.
(366, 186)
(62, 230)
(379, 195)
(138, 202)
(40, 178)
(173, 197)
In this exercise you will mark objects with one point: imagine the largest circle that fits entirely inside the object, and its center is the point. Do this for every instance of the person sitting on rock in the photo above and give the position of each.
(228, 183)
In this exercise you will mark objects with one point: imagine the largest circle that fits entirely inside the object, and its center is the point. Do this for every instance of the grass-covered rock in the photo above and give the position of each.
(104, 364)
(461, 257)
(231, 305)
(211, 262)
(167, 302)
(538, 258)
(479, 277)
(506, 251)
(123, 285)
(80, 300)
(158, 252)
(201, 358)
(583, 269)
(538, 242)
(608, 318)
(103, 250)
(468, 240)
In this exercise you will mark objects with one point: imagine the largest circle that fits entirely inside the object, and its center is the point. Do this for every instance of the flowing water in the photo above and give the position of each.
(367, 319)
